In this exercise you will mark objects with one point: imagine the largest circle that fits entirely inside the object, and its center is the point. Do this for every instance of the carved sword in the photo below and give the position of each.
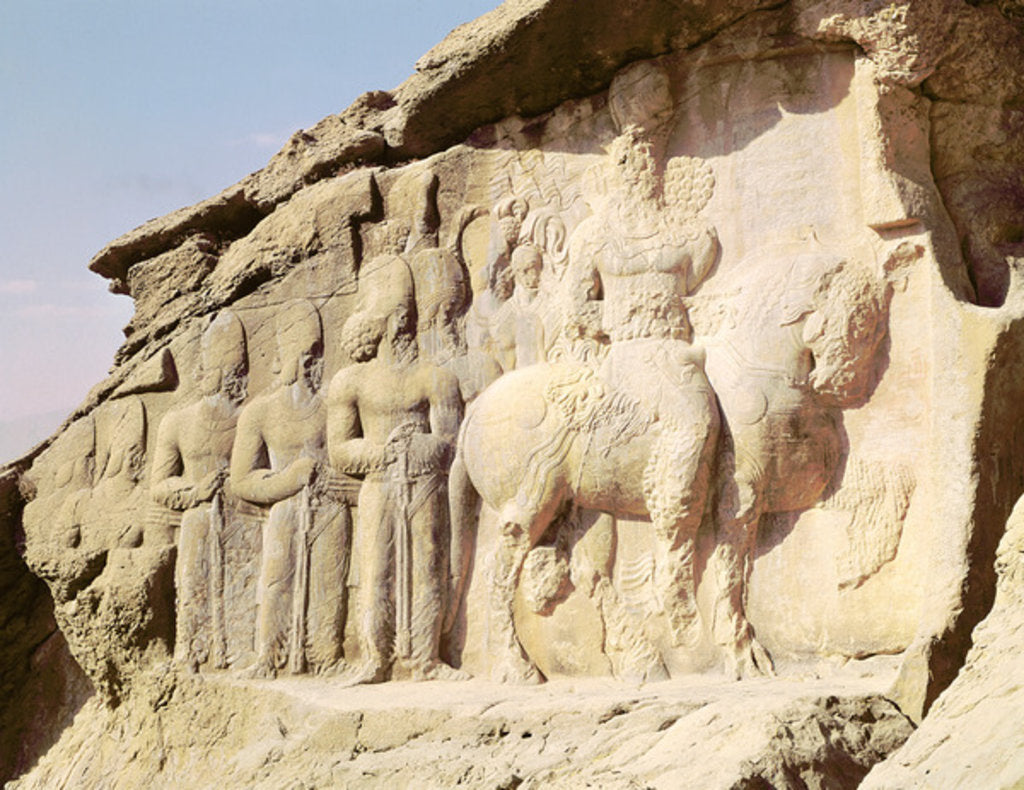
(218, 638)
(300, 588)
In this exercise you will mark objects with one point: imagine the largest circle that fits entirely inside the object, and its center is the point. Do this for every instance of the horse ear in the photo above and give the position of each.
(802, 283)
(814, 327)
(898, 262)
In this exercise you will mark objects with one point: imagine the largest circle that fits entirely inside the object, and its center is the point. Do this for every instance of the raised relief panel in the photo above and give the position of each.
(602, 395)
(279, 461)
(188, 476)
(778, 313)
(392, 420)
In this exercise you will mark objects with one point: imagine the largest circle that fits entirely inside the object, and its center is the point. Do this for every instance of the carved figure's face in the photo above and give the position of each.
(299, 344)
(527, 263)
(222, 362)
(635, 164)
(299, 360)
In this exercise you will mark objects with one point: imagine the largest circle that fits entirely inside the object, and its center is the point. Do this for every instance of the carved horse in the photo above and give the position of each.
(781, 376)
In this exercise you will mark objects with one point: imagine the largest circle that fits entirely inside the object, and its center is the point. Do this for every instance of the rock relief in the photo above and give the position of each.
(534, 423)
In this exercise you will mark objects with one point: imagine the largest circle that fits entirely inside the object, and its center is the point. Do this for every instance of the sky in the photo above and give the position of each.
(116, 111)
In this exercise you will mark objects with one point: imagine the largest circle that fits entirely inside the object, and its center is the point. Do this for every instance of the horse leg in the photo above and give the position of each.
(676, 483)
(674, 581)
(519, 531)
(463, 502)
(729, 565)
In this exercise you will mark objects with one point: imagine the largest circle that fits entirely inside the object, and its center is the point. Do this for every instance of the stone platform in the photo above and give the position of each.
(218, 730)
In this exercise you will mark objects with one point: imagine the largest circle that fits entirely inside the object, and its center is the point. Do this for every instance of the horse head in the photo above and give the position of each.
(841, 309)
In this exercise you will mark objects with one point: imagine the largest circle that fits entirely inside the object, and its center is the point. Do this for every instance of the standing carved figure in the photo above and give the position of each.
(393, 419)
(521, 333)
(112, 515)
(190, 465)
(279, 459)
(631, 265)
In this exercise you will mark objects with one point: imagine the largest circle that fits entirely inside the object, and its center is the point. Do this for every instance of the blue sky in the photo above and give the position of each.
(116, 111)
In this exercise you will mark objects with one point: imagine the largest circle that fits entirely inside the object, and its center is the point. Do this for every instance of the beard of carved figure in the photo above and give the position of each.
(441, 294)
(304, 366)
(638, 168)
(401, 333)
(439, 327)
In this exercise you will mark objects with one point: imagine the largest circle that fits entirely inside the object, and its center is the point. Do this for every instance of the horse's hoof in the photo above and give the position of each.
(749, 659)
(517, 673)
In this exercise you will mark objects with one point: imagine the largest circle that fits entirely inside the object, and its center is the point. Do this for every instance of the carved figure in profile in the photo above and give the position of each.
(63, 479)
(53, 519)
(495, 281)
(631, 265)
(279, 458)
(393, 419)
(190, 466)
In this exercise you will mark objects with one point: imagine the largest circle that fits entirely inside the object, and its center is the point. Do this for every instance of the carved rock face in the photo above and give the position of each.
(678, 377)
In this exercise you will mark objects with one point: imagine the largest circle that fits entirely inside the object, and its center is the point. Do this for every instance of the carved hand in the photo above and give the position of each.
(211, 484)
(427, 451)
(301, 471)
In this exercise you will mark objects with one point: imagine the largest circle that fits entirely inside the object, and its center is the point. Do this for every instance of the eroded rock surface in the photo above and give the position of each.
(310, 733)
(972, 734)
(664, 342)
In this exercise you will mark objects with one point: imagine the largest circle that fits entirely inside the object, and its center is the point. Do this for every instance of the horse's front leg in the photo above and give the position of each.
(674, 580)
(729, 565)
(511, 662)
(676, 482)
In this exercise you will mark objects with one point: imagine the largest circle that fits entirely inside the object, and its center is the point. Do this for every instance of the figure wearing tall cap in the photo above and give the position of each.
(279, 459)
(392, 418)
(190, 465)
(442, 295)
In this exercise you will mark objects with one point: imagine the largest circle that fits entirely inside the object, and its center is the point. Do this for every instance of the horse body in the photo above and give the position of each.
(521, 453)
(528, 454)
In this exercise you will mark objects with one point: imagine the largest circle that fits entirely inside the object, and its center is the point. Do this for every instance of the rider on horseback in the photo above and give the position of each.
(631, 265)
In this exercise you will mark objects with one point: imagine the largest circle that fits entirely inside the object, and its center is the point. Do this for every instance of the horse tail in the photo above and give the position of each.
(463, 504)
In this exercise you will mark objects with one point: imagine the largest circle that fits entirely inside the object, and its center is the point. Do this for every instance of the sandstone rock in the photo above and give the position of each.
(693, 347)
(307, 733)
(972, 734)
